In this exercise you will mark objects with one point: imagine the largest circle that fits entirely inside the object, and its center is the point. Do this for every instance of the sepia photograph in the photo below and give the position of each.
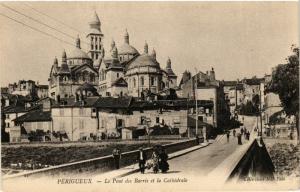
(149, 96)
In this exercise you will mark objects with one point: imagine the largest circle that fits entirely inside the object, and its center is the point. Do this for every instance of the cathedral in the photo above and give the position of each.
(121, 71)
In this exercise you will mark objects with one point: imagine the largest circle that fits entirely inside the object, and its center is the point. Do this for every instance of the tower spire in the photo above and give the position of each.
(64, 57)
(153, 54)
(146, 48)
(78, 42)
(169, 63)
(126, 36)
(112, 45)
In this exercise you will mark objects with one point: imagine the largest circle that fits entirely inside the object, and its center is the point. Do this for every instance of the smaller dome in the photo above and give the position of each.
(127, 49)
(77, 53)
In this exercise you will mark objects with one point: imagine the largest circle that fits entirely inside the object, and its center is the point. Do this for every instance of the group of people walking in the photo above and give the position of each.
(244, 132)
(158, 160)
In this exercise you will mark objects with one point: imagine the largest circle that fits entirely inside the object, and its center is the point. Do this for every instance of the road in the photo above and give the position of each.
(203, 161)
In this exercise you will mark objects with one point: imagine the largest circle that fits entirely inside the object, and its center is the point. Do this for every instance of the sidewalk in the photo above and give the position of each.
(134, 168)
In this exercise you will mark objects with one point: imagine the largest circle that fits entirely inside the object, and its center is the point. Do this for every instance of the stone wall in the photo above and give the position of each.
(101, 164)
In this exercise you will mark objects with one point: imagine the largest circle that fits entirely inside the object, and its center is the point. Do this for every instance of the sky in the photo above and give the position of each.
(237, 39)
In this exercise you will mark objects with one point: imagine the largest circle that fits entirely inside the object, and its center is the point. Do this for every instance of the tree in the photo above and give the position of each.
(285, 83)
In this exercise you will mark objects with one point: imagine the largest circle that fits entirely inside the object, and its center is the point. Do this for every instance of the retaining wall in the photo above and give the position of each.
(101, 164)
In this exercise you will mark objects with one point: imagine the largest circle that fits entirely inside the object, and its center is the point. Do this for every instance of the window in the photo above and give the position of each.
(143, 120)
(152, 81)
(142, 81)
(81, 124)
(92, 55)
(157, 119)
(119, 123)
(200, 118)
(134, 82)
(96, 55)
(96, 47)
(7, 125)
(92, 46)
(117, 75)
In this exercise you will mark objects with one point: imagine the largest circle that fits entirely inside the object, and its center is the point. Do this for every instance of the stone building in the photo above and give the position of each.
(204, 86)
(92, 118)
(118, 72)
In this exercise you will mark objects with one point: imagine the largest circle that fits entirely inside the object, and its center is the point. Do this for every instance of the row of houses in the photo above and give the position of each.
(96, 118)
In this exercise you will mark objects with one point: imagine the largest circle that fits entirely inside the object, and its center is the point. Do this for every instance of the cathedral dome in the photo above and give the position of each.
(77, 53)
(144, 60)
(127, 49)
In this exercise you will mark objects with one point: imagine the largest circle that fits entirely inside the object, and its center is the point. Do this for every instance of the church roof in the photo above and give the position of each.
(144, 61)
(120, 82)
(127, 49)
(87, 87)
(170, 72)
(64, 69)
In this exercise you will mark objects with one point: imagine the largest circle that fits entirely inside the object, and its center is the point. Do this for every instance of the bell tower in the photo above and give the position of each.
(95, 38)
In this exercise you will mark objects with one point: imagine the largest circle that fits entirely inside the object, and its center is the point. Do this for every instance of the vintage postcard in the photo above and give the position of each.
(149, 96)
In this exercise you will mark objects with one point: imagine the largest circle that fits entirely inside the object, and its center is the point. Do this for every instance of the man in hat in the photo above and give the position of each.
(117, 156)
(142, 157)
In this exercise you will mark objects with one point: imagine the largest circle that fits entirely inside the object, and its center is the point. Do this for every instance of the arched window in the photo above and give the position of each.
(142, 81)
(152, 81)
(96, 47)
(92, 77)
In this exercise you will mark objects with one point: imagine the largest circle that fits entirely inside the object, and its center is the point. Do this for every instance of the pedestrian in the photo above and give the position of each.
(228, 134)
(234, 132)
(142, 158)
(248, 135)
(155, 160)
(245, 133)
(117, 156)
(163, 159)
(239, 137)
(197, 139)
(242, 130)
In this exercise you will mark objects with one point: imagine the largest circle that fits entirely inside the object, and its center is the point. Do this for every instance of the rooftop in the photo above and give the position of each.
(33, 116)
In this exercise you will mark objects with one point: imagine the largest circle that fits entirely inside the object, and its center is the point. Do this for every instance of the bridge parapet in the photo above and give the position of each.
(98, 165)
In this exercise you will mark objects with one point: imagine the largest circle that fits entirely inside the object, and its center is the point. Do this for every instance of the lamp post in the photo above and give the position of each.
(196, 86)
